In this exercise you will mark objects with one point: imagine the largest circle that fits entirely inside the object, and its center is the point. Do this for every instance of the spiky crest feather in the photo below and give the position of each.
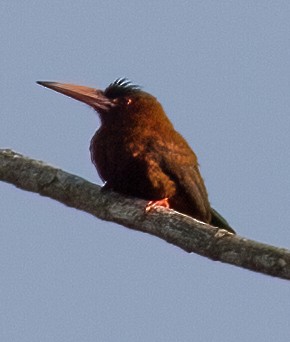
(121, 87)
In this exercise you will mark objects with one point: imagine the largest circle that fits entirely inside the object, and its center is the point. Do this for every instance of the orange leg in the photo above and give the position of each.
(155, 204)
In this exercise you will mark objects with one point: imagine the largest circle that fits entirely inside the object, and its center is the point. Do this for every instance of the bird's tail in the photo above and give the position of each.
(218, 221)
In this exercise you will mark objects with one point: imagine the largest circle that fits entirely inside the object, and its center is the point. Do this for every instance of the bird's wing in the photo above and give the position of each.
(179, 163)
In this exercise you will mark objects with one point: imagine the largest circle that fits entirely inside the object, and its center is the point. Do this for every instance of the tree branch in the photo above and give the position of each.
(175, 228)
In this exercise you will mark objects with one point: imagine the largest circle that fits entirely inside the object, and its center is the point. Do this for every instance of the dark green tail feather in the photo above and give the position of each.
(218, 221)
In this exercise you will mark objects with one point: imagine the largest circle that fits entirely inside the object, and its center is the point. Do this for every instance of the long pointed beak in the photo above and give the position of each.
(92, 97)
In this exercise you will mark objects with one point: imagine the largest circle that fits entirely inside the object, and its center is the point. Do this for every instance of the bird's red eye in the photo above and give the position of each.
(129, 101)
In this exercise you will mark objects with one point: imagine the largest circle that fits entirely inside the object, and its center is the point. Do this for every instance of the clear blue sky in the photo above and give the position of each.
(222, 71)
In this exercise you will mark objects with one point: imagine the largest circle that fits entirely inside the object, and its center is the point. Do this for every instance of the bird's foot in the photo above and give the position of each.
(155, 204)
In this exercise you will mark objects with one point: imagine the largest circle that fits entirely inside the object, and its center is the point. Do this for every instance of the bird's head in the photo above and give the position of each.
(120, 100)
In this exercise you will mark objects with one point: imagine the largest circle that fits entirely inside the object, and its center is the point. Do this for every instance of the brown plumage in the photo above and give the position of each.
(137, 151)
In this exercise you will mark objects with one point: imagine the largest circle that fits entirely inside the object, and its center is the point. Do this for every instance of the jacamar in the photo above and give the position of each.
(137, 151)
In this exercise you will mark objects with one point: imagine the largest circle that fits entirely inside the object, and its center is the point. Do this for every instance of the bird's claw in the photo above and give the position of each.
(155, 204)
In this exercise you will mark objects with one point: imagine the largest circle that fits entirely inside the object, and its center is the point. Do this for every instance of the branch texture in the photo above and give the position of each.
(178, 229)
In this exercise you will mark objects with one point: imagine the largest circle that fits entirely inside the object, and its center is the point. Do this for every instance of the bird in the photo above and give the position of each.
(137, 151)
